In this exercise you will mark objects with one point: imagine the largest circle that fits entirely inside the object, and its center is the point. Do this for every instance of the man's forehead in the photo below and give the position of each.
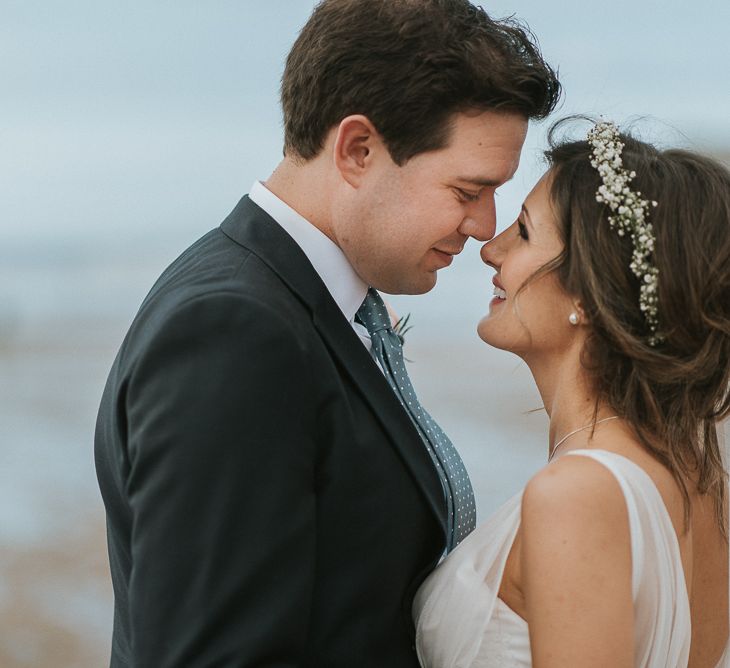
(487, 154)
(491, 170)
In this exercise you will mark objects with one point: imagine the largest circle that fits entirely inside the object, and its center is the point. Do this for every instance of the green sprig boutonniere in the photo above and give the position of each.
(402, 327)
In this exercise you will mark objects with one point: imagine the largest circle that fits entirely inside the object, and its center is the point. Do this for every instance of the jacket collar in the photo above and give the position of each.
(331, 264)
(251, 227)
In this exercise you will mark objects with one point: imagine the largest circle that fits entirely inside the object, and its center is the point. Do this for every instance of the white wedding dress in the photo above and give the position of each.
(461, 623)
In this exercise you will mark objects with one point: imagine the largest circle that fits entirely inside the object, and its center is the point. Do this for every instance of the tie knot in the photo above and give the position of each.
(373, 313)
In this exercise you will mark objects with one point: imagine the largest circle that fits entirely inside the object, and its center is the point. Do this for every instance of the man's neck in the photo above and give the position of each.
(304, 187)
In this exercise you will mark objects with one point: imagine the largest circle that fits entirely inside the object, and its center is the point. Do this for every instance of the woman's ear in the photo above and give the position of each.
(577, 315)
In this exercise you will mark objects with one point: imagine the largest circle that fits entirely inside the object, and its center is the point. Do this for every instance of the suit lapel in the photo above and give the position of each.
(345, 345)
(251, 227)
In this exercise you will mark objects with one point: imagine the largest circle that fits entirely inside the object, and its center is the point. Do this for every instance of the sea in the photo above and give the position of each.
(127, 131)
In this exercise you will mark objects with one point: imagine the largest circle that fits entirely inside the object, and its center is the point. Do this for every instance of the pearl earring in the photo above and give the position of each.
(573, 318)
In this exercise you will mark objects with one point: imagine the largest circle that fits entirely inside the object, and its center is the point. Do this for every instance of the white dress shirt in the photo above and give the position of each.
(346, 287)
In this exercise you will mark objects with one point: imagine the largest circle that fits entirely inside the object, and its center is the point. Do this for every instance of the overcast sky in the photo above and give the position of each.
(129, 125)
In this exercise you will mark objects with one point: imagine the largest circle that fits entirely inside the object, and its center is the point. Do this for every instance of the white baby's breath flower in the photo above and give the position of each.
(629, 216)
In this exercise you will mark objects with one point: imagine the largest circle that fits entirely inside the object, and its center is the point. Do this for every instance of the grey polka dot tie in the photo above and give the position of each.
(388, 351)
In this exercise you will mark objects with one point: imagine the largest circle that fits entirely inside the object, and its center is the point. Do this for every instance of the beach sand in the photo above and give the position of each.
(55, 593)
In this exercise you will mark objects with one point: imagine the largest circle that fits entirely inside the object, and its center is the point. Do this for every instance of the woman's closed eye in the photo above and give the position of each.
(522, 230)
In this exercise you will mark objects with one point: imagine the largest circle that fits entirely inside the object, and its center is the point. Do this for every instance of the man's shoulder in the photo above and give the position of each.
(213, 268)
(216, 283)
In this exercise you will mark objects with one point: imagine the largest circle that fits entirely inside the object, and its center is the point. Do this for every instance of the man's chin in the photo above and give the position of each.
(408, 285)
(419, 285)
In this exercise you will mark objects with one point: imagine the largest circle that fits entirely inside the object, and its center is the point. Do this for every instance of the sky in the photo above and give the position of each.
(129, 129)
(127, 119)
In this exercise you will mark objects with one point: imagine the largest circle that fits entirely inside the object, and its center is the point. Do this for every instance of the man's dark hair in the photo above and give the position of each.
(408, 65)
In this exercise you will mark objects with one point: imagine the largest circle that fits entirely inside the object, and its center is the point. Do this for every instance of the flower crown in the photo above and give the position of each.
(629, 215)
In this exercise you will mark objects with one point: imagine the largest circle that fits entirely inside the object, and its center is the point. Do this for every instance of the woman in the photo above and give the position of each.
(614, 286)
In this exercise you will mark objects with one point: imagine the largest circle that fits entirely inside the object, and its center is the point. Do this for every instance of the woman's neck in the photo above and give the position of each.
(567, 394)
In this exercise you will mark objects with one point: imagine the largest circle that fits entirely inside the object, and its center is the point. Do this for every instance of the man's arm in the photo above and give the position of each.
(220, 418)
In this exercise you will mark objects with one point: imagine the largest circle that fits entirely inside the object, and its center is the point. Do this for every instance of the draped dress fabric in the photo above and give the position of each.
(461, 623)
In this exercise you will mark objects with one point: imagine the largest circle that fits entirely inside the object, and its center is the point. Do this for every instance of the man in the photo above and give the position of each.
(274, 491)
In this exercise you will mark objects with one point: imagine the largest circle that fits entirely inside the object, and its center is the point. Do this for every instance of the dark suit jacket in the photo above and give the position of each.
(268, 502)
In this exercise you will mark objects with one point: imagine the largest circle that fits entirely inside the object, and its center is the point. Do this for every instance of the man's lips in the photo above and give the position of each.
(446, 256)
(448, 251)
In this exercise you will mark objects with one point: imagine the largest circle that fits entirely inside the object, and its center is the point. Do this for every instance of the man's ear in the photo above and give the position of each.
(356, 143)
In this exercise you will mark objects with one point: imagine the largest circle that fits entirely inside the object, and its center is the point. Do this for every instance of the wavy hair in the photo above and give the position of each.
(673, 394)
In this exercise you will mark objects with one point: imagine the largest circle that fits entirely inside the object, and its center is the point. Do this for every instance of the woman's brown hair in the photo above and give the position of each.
(673, 393)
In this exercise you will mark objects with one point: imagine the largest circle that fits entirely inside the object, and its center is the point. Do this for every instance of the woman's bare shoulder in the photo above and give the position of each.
(580, 496)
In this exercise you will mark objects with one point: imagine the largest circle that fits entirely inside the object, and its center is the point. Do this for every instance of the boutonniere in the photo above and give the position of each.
(402, 327)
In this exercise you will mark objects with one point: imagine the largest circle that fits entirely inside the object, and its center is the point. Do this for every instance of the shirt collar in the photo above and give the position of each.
(346, 287)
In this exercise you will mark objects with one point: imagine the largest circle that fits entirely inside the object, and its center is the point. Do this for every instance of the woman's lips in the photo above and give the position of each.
(499, 296)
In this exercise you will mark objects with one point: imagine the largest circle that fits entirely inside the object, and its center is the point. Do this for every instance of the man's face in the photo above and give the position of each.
(405, 223)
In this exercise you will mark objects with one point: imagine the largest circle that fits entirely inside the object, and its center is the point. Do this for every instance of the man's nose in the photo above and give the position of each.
(480, 221)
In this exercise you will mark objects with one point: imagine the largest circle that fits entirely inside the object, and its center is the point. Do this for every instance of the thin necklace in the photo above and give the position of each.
(575, 431)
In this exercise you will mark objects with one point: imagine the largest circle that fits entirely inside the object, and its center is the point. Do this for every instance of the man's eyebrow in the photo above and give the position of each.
(481, 182)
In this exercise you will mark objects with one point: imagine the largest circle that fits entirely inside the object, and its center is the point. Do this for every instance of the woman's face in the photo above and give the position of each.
(536, 320)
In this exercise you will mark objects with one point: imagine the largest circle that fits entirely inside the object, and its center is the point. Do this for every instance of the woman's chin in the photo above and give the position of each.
(488, 331)
(500, 335)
